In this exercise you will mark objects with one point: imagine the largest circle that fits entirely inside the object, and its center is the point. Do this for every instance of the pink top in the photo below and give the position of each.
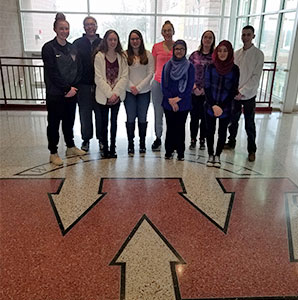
(161, 56)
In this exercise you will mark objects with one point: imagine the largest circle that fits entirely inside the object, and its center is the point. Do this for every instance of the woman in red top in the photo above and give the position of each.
(162, 53)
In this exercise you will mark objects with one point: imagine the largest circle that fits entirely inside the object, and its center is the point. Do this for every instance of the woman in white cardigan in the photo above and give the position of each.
(111, 77)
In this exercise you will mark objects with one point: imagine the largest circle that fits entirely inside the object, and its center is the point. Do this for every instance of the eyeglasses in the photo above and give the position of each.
(89, 25)
(135, 39)
(179, 49)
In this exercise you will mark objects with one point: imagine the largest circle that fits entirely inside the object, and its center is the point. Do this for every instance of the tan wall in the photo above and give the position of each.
(10, 30)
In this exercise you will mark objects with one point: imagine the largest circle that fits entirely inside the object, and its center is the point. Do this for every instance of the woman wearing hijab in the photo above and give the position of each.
(221, 86)
(177, 82)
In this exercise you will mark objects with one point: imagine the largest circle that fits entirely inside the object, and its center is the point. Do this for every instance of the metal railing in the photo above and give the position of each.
(22, 83)
(264, 97)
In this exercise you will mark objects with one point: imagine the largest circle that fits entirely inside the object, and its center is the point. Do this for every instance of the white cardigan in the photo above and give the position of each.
(103, 89)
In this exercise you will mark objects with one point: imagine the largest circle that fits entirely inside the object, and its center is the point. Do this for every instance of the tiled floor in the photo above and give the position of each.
(146, 228)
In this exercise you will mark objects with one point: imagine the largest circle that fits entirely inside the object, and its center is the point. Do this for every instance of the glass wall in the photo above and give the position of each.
(274, 23)
(190, 18)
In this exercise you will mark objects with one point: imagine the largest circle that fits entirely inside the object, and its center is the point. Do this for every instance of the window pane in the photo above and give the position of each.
(195, 7)
(122, 6)
(124, 24)
(55, 5)
(243, 7)
(283, 51)
(268, 36)
(189, 29)
(241, 22)
(256, 6)
(227, 9)
(290, 4)
(255, 22)
(225, 29)
(38, 29)
(272, 5)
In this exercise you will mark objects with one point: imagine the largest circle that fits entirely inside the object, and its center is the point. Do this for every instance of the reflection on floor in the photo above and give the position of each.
(146, 228)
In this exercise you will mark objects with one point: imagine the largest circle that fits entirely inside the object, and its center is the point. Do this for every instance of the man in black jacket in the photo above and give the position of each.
(86, 46)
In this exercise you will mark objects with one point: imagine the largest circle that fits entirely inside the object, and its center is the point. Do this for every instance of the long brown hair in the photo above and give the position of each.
(103, 46)
(142, 50)
(212, 45)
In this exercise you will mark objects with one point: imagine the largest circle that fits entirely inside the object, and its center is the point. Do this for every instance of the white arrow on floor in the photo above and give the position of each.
(76, 197)
(147, 263)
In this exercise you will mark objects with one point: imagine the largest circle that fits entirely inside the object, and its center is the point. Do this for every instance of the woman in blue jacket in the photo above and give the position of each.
(221, 86)
(177, 82)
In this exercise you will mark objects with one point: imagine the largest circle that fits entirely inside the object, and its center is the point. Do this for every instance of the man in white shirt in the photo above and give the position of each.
(250, 61)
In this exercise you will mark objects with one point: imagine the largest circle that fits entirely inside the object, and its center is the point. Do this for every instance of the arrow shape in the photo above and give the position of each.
(82, 195)
(148, 263)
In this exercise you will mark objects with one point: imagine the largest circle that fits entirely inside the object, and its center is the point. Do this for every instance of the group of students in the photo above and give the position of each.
(99, 75)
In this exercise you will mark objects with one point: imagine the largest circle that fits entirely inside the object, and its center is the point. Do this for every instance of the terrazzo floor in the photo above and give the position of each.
(146, 228)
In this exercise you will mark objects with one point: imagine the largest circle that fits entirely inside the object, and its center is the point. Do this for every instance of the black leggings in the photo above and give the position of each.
(60, 109)
(222, 133)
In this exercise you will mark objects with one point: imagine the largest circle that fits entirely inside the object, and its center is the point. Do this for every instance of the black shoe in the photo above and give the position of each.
(229, 146)
(202, 145)
(156, 145)
(169, 156)
(131, 151)
(105, 154)
(104, 151)
(180, 157)
(252, 156)
(142, 150)
(112, 152)
(85, 146)
(192, 145)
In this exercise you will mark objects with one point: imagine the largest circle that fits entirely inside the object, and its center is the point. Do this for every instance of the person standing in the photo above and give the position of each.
(162, 53)
(250, 60)
(111, 78)
(141, 70)
(178, 77)
(86, 46)
(221, 86)
(200, 59)
(62, 72)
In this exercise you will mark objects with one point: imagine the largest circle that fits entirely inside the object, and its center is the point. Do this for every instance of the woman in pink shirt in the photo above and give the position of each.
(162, 53)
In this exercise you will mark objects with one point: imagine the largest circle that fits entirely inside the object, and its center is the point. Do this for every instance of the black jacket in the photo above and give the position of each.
(62, 67)
(86, 51)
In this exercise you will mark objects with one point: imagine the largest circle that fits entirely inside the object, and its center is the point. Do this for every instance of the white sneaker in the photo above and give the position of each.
(210, 161)
(56, 160)
(74, 151)
(217, 163)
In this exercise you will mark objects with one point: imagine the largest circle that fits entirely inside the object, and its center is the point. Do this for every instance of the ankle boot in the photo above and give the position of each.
(130, 128)
(142, 133)
(112, 152)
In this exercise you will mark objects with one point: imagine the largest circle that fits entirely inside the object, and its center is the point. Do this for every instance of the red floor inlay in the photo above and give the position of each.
(252, 259)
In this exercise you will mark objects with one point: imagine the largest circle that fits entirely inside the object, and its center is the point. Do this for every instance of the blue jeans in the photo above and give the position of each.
(87, 104)
(137, 107)
(157, 97)
(249, 118)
